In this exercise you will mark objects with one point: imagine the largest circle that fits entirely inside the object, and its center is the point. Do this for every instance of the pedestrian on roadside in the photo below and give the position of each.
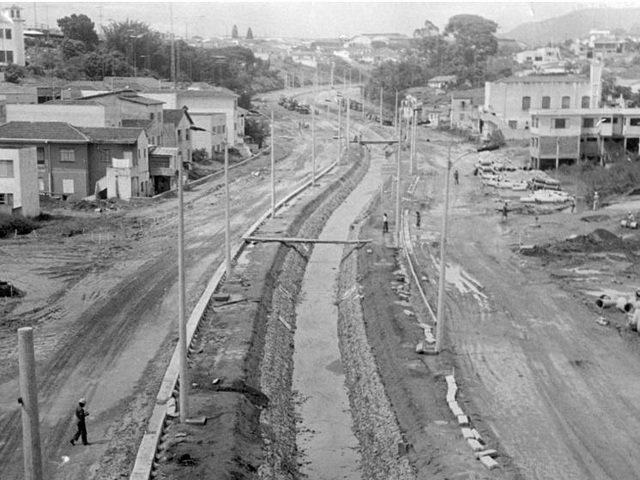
(573, 204)
(505, 210)
(385, 223)
(417, 219)
(81, 414)
(596, 201)
(455, 177)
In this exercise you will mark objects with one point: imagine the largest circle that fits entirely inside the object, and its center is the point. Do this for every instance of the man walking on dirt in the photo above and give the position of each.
(456, 176)
(385, 223)
(81, 413)
(417, 219)
(505, 211)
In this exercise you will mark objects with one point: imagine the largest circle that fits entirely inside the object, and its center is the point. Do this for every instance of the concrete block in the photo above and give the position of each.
(476, 434)
(489, 462)
(196, 421)
(466, 433)
(463, 420)
(486, 453)
(475, 445)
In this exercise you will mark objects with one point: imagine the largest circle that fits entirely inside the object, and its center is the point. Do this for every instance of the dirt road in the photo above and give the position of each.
(103, 306)
(557, 391)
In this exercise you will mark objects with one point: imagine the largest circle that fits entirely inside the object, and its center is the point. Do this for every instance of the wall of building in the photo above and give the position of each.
(80, 115)
(211, 139)
(24, 183)
(505, 99)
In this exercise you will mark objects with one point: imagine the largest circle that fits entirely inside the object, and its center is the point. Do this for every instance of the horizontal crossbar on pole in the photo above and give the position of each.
(377, 142)
(304, 240)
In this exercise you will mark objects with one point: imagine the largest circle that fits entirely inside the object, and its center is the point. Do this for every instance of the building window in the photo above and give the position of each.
(40, 184)
(634, 122)
(151, 115)
(9, 56)
(559, 123)
(40, 155)
(566, 102)
(526, 103)
(6, 199)
(585, 103)
(105, 156)
(587, 122)
(179, 134)
(186, 134)
(7, 33)
(546, 102)
(1, 32)
(67, 155)
(6, 168)
(513, 124)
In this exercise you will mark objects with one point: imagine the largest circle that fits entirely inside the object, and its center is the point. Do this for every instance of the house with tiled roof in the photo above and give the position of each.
(178, 132)
(73, 161)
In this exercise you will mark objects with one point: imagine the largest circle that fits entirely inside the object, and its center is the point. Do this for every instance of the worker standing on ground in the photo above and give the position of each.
(596, 201)
(81, 414)
(505, 211)
(456, 177)
(417, 219)
(385, 223)
(573, 204)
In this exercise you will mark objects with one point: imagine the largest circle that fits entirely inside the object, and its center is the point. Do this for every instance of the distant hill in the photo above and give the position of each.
(576, 24)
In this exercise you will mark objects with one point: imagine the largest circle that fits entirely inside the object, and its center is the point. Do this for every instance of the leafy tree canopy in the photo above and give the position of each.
(234, 31)
(249, 34)
(80, 28)
(474, 33)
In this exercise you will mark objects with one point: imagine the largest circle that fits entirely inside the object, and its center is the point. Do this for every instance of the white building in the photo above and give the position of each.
(19, 181)
(11, 36)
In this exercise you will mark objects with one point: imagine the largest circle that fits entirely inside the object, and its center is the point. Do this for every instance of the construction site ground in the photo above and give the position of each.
(548, 386)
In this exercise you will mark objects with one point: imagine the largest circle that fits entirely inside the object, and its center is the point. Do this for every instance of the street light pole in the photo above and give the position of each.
(182, 323)
(313, 129)
(273, 171)
(381, 95)
(397, 232)
(227, 221)
(443, 241)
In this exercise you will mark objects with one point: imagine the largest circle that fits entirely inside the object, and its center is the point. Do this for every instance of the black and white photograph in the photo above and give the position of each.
(319, 240)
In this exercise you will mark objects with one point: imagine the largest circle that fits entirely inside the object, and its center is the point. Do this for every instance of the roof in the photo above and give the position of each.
(33, 131)
(475, 94)
(163, 151)
(443, 78)
(544, 79)
(74, 101)
(174, 115)
(208, 92)
(112, 134)
(127, 95)
(143, 123)
(588, 112)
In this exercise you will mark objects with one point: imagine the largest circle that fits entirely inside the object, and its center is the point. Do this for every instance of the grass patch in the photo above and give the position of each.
(10, 225)
(615, 179)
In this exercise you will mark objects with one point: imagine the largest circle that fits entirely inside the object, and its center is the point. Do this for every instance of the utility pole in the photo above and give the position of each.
(398, 192)
(381, 95)
(182, 323)
(339, 127)
(273, 171)
(332, 67)
(227, 222)
(361, 91)
(413, 143)
(347, 131)
(443, 241)
(395, 118)
(313, 129)
(29, 401)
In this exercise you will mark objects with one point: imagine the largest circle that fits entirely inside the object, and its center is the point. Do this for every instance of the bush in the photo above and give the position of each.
(10, 224)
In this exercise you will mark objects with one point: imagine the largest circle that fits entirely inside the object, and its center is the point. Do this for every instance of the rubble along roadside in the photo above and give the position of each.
(241, 361)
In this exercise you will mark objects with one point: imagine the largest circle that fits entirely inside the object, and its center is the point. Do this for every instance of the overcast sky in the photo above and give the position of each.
(308, 19)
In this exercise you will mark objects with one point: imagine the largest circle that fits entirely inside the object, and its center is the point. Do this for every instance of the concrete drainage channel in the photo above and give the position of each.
(165, 400)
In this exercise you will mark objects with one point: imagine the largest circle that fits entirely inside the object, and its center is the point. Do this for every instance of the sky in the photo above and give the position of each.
(303, 19)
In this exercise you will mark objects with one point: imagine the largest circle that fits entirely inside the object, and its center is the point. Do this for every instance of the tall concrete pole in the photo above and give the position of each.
(395, 117)
(398, 192)
(361, 91)
(227, 221)
(413, 144)
(273, 170)
(182, 322)
(339, 128)
(443, 241)
(347, 131)
(381, 96)
(313, 129)
(332, 67)
(29, 399)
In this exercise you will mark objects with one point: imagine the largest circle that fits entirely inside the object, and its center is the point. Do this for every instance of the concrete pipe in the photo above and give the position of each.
(605, 302)
(624, 305)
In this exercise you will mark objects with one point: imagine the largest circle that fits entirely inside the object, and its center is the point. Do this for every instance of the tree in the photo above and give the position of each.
(234, 32)
(81, 28)
(249, 34)
(473, 31)
(14, 73)
(257, 128)
(135, 40)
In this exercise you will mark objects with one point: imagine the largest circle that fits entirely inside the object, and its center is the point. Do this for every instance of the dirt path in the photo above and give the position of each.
(556, 390)
(104, 317)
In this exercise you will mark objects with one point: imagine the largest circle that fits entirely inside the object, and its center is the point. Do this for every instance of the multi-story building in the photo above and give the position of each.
(178, 132)
(19, 182)
(512, 99)
(565, 136)
(11, 36)
(465, 109)
(539, 56)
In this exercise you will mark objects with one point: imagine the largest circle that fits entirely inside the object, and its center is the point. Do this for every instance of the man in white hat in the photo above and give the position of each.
(81, 413)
